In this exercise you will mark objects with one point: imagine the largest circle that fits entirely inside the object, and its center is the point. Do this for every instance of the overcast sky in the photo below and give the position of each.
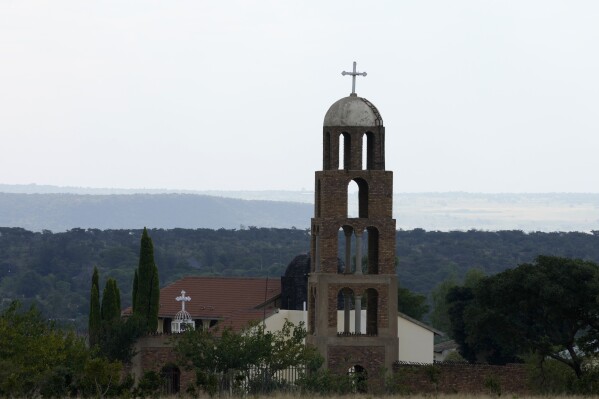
(480, 96)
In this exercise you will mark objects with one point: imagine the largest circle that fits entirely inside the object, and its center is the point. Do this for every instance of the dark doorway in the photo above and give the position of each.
(171, 377)
(359, 378)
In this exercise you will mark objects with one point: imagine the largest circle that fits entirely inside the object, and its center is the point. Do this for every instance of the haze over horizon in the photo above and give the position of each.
(477, 96)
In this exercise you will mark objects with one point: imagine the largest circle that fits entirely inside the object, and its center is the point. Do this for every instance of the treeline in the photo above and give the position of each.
(53, 270)
(544, 313)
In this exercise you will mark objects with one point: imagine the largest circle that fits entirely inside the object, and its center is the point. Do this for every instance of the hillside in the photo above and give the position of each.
(61, 212)
(54, 269)
(38, 208)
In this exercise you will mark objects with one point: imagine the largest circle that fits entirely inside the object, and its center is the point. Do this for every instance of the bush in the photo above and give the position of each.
(150, 385)
(549, 376)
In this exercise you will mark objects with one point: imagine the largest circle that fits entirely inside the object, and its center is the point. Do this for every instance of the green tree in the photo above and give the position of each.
(111, 302)
(35, 356)
(208, 353)
(148, 290)
(411, 304)
(134, 290)
(94, 324)
(440, 313)
(118, 337)
(101, 377)
(548, 307)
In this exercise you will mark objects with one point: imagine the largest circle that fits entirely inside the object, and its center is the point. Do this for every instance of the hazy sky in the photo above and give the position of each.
(484, 96)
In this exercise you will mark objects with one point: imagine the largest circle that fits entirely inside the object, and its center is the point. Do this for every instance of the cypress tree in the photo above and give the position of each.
(95, 321)
(154, 301)
(148, 293)
(111, 307)
(134, 291)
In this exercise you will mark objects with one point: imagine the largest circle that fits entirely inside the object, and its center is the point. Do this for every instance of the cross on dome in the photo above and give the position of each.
(353, 77)
(183, 299)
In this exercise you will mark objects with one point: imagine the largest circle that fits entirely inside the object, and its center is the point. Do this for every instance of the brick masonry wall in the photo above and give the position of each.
(371, 358)
(462, 378)
(155, 352)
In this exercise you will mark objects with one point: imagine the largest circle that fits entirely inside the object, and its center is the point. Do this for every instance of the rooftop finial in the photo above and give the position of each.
(353, 76)
(183, 299)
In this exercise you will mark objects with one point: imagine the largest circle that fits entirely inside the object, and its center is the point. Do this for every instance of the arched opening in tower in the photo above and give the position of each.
(344, 151)
(368, 151)
(353, 199)
(345, 305)
(357, 192)
(327, 151)
(373, 250)
(372, 307)
(345, 248)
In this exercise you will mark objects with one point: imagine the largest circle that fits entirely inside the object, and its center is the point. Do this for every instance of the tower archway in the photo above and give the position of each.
(345, 151)
(345, 303)
(372, 315)
(373, 250)
(361, 186)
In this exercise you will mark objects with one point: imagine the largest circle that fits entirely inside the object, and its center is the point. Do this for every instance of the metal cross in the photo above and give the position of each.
(183, 299)
(353, 77)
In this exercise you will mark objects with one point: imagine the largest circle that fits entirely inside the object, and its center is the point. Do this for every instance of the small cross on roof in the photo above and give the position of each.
(353, 76)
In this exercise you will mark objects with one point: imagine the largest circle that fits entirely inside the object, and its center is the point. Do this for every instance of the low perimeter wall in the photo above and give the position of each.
(460, 378)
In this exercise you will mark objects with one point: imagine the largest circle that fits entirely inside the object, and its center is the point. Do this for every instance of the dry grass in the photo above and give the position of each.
(416, 396)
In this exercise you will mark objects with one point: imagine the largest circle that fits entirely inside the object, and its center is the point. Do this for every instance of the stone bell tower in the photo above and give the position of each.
(352, 311)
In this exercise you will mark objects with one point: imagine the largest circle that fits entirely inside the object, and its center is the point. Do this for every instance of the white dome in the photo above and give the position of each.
(182, 315)
(353, 111)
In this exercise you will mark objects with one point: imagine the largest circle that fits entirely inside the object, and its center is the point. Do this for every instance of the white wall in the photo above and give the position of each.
(416, 343)
(275, 322)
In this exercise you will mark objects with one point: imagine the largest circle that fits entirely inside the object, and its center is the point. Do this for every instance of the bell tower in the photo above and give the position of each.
(352, 310)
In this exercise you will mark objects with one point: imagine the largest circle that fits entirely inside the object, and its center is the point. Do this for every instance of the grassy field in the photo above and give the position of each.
(417, 396)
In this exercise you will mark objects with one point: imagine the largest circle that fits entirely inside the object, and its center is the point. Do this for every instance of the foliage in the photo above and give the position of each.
(149, 385)
(549, 307)
(493, 385)
(548, 376)
(35, 356)
(101, 377)
(117, 338)
(411, 304)
(113, 337)
(440, 314)
(210, 354)
(148, 291)
(111, 302)
(94, 323)
(134, 290)
(54, 270)
(325, 382)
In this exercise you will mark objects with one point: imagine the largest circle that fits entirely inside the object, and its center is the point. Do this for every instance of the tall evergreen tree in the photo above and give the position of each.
(111, 306)
(95, 318)
(134, 291)
(148, 292)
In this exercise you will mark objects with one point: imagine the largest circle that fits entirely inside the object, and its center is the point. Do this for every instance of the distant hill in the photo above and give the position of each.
(61, 212)
(38, 207)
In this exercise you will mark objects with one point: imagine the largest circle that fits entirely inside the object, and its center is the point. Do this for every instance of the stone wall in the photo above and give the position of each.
(461, 378)
(153, 352)
(371, 358)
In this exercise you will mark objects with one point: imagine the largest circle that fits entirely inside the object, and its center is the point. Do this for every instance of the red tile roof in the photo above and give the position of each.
(233, 300)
